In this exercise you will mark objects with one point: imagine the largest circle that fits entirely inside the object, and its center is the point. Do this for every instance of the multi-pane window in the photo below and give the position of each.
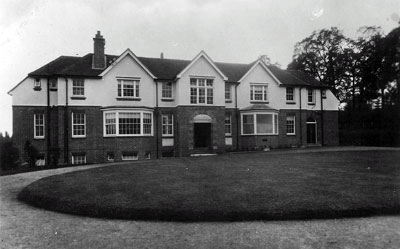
(128, 123)
(78, 124)
(38, 125)
(128, 88)
(258, 92)
(323, 93)
(228, 124)
(228, 92)
(290, 125)
(167, 125)
(127, 156)
(166, 90)
(201, 91)
(311, 96)
(260, 124)
(78, 87)
(289, 94)
(78, 158)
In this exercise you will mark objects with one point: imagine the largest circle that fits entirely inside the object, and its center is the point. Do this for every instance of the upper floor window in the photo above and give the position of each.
(228, 95)
(323, 92)
(228, 124)
(37, 84)
(167, 125)
(78, 87)
(128, 123)
(201, 91)
(78, 125)
(260, 124)
(128, 88)
(38, 125)
(289, 94)
(166, 90)
(258, 92)
(311, 96)
(290, 125)
(53, 84)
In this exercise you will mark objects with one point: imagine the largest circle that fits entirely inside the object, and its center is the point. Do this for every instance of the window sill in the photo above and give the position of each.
(228, 101)
(291, 134)
(78, 137)
(126, 136)
(311, 103)
(128, 99)
(228, 135)
(78, 97)
(259, 134)
(53, 89)
(38, 138)
(290, 102)
(259, 102)
(167, 99)
(37, 89)
(167, 136)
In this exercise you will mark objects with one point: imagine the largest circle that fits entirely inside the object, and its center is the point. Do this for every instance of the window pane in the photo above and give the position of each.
(193, 95)
(129, 123)
(110, 123)
(202, 95)
(210, 97)
(227, 124)
(290, 124)
(167, 90)
(147, 123)
(264, 123)
(248, 124)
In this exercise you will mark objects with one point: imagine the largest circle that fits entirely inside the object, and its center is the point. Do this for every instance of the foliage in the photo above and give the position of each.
(8, 153)
(31, 153)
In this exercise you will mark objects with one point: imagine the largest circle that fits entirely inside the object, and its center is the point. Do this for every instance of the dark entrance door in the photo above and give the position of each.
(202, 135)
(311, 133)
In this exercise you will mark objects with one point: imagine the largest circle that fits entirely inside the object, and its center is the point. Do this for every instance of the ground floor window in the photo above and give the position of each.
(167, 125)
(128, 156)
(228, 126)
(78, 125)
(79, 158)
(259, 123)
(290, 125)
(110, 156)
(38, 125)
(40, 160)
(128, 123)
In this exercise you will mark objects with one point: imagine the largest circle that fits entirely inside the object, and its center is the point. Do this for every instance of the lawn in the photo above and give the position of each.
(237, 187)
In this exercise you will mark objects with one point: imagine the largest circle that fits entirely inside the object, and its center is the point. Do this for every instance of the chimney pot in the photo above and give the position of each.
(162, 55)
(99, 59)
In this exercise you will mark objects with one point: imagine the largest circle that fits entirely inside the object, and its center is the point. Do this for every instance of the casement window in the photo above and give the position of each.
(129, 156)
(128, 123)
(259, 92)
(37, 85)
(53, 84)
(260, 124)
(310, 96)
(78, 124)
(228, 95)
(290, 125)
(78, 87)
(128, 88)
(38, 125)
(289, 94)
(228, 125)
(166, 90)
(78, 158)
(201, 91)
(167, 125)
(323, 93)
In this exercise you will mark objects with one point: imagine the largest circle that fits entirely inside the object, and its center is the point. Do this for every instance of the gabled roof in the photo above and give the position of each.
(167, 69)
(260, 62)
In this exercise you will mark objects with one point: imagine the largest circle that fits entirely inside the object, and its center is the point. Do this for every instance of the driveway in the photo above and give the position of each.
(23, 226)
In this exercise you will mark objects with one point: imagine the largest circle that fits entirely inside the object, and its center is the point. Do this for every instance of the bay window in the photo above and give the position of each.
(259, 123)
(201, 91)
(128, 88)
(258, 92)
(128, 123)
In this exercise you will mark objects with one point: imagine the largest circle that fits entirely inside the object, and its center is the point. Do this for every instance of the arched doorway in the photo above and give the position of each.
(311, 131)
(202, 131)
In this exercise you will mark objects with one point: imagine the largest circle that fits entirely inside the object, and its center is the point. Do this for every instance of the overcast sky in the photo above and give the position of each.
(33, 33)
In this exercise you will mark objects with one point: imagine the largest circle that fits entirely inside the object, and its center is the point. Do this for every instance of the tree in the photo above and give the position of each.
(31, 153)
(8, 153)
(320, 55)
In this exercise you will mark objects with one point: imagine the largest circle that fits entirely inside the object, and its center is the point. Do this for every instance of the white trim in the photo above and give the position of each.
(162, 125)
(275, 130)
(264, 88)
(265, 67)
(126, 53)
(198, 56)
(72, 125)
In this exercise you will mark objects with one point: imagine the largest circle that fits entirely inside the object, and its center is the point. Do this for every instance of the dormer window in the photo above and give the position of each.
(53, 84)
(37, 86)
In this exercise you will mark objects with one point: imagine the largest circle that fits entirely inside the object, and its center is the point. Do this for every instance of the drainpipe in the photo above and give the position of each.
(301, 122)
(237, 118)
(66, 124)
(48, 123)
(322, 119)
(156, 120)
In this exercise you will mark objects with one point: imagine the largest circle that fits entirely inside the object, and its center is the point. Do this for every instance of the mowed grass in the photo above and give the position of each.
(237, 187)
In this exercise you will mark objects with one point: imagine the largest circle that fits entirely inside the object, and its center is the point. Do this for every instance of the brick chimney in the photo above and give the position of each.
(99, 59)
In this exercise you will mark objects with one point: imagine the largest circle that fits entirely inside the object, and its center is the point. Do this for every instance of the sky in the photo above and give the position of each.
(32, 33)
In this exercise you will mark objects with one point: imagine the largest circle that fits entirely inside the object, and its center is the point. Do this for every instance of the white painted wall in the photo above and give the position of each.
(203, 68)
(166, 103)
(24, 94)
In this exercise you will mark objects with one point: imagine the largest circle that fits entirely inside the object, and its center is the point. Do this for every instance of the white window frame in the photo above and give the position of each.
(166, 87)
(74, 159)
(136, 87)
(323, 93)
(117, 112)
(288, 117)
(78, 88)
(53, 84)
(264, 94)
(197, 88)
(170, 118)
(312, 91)
(35, 126)
(293, 100)
(275, 125)
(228, 91)
(126, 156)
(230, 124)
(74, 124)
(36, 83)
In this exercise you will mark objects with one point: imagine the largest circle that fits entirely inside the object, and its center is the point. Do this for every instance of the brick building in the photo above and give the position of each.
(100, 108)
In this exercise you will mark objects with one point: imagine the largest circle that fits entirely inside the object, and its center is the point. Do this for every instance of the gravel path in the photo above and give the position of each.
(23, 226)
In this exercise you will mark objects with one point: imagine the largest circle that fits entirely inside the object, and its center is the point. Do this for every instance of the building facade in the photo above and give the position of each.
(100, 108)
